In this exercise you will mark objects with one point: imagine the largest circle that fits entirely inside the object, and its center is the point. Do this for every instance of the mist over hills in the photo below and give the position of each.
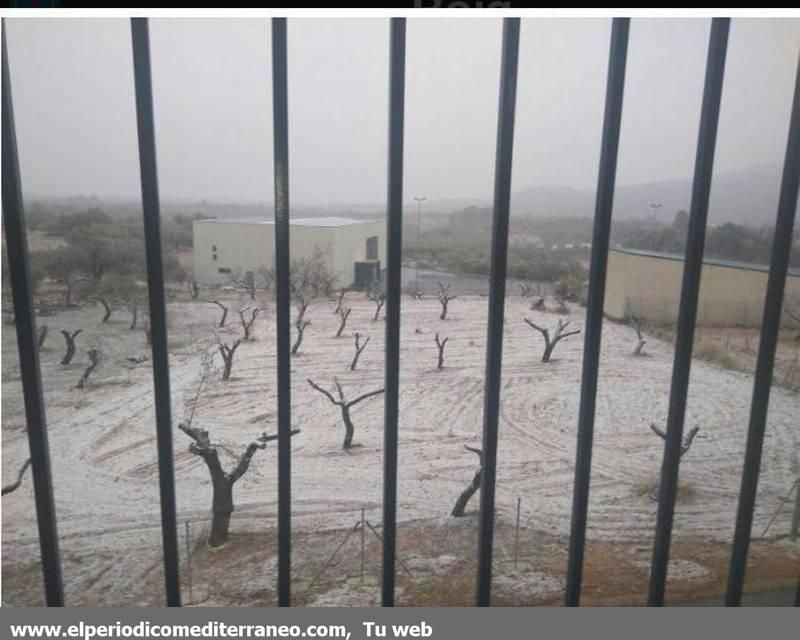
(743, 197)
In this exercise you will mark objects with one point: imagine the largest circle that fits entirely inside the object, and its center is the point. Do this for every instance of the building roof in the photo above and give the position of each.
(733, 264)
(323, 221)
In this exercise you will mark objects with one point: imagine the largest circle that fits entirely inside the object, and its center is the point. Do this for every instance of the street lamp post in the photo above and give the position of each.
(419, 200)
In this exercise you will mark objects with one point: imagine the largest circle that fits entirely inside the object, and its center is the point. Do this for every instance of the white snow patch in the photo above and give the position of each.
(528, 585)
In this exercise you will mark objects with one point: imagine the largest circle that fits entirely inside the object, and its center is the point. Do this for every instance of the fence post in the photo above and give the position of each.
(516, 534)
(189, 558)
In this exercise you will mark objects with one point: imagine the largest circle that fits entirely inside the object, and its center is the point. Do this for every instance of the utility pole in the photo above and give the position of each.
(419, 200)
(655, 206)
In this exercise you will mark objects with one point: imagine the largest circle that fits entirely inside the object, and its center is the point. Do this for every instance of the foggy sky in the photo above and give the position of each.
(73, 93)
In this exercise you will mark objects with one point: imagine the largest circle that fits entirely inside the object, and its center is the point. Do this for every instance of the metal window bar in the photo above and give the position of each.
(497, 293)
(22, 293)
(770, 326)
(151, 212)
(394, 232)
(615, 85)
(687, 310)
(280, 120)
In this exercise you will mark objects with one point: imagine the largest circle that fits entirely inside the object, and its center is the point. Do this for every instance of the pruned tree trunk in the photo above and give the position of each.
(94, 360)
(222, 482)
(247, 324)
(194, 291)
(300, 325)
(379, 299)
(70, 339)
(42, 336)
(344, 314)
(637, 325)
(340, 300)
(686, 444)
(20, 474)
(551, 342)
(444, 299)
(134, 313)
(440, 344)
(359, 348)
(461, 503)
(224, 313)
(106, 307)
(227, 353)
(344, 406)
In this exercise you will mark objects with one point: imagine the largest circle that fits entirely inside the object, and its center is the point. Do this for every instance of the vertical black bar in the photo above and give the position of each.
(770, 325)
(394, 248)
(151, 210)
(797, 594)
(687, 311)
(19, 273)
(280, 128)
(615, 85)
(497, 295)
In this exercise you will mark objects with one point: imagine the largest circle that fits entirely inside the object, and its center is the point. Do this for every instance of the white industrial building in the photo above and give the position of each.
(225, 248)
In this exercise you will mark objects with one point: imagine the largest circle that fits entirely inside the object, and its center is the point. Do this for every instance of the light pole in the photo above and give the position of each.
(655, 206)
(419, 200)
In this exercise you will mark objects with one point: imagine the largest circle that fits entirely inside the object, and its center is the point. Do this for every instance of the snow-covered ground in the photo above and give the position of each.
(104, 455)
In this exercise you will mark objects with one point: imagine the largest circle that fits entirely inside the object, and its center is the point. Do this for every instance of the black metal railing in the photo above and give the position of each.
(19, 267)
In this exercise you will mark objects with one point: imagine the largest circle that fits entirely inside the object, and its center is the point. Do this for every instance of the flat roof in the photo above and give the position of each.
(322, 221)
(733, 264)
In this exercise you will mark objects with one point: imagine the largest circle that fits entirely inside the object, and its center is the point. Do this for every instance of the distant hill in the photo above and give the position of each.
(749, 197)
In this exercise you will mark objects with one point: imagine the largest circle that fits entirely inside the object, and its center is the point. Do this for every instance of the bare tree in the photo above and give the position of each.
(636, 323)
(224, 312)
(227, 353)
(300, 325)
(246, 282)
(194, 292)
(94, 360)
(107, 308)
(538, 304)
(70, 282)
(472, 488)
(247, 324)
(378, 297)
(340, 300)
(42, 335)
(20, 474)
(309, 279)
(359, 348)
(345, 407)
(526, 289)
(70, 339)
(133, 307)
(344, 314)
(440, 344)
(550, 343)
(688, 438)
(222, 482)
(445, 298)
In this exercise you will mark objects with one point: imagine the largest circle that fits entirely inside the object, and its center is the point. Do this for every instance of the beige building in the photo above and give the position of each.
(224, 248)
(649, 284)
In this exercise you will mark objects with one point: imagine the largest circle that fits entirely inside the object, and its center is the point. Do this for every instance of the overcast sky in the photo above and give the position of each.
(73, 92)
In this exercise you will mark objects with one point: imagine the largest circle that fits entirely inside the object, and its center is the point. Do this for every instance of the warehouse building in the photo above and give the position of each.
(226, 248)
(648, 283)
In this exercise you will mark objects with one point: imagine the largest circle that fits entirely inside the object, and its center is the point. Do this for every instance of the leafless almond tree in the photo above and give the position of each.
(133, 307)
(551, 342)
(107, 308)
(94, 360)
(42, 335)
(359, 348)
(526, 289)
(20, 474)
(343, 314)
(445, 298)
(440, 344)
(222, 482)
(340, 300)
(227, 353)
(300, 325)
(688, 438)
(248, 324)
(636, 323)
(378, 297)
(472, 488)
(70, 339)
(538, 304)
(345, 407)
(194, 292)
(224, 312)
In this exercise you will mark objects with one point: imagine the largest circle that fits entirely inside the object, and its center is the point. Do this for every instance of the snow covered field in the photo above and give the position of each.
(103, 450)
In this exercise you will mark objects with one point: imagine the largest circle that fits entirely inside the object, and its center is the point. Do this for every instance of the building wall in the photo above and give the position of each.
(243, 246)
(651, 287)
